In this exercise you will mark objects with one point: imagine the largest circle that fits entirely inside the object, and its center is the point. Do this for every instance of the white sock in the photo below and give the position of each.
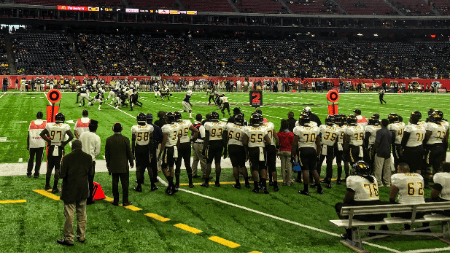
(190, 114)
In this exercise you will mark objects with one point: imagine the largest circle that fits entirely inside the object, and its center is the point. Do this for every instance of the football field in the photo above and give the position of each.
(193, 220)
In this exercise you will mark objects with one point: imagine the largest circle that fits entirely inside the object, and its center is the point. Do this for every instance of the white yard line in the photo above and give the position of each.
(428, 250)
(45, 95)
(3, 95)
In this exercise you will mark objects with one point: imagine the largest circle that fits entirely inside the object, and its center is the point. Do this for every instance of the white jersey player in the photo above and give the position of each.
(409, 187)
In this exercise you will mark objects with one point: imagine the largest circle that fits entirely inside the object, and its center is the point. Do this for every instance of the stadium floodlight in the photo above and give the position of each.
(359, 34)
(375, 35)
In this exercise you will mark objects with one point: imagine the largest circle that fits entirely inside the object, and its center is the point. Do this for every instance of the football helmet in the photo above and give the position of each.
(307, 110)
(437, 116)
(373, 121)
(239, 119)
(256, 119)
(169, 117)
(214, 116)
(189, 93)
(149, 118)
(303, 119)
(60, 118)
(352, 120)
(393, 118)
(418, 114)
(177, 116)
(258, 111)
(376, 116)
(361, 168)
(430, 111)
(329, 120)
(141, 118)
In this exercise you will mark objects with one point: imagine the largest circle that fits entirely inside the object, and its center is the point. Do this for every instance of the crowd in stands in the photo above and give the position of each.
(413, 7)
(4, 69)
(110, 55)
(44, 54)
(171, 56)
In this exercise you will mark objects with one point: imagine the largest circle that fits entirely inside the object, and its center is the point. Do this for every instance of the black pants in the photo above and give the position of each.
(226, 106)
(91, 183)
(39, 152)
(271, 158)
(329, 157)
(53, 162)
(124, 178)
(382, 100)
(184, 152)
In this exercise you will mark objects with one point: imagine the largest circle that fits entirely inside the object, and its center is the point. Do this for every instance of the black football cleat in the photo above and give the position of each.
(169, 191)
(191, 185)
(325, 181)
(138, 189)
(338, 181)
(217, 184)
(205, 185)
(237, 186)
(56, 191)
(345, 237)
(304, 192)
(47, 187)
(264, 189)
(275, 188)
(256, 190)
(328, 185)
(270, 183)
(320, 190)
(313, 185)
(154, 188)
(175, 188)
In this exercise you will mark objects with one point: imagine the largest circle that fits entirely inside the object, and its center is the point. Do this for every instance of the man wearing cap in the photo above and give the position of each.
(92, 146)
(118, 155)
(76, 167)
(361, 120)
(35, 144)
(82, 124)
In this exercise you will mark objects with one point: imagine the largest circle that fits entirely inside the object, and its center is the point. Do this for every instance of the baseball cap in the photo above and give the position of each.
(357, 111)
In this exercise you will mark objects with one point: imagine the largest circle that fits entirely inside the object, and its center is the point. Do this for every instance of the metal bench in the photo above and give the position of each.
(430, 209)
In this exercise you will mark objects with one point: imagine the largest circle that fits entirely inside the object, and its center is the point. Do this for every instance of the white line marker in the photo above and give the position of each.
(20, 160)
(3, 95)
(428, 250)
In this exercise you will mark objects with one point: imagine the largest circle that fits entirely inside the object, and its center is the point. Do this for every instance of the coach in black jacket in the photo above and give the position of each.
(75, 169)
(118, 155)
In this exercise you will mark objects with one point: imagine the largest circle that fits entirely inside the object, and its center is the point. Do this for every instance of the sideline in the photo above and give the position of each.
(3, 95)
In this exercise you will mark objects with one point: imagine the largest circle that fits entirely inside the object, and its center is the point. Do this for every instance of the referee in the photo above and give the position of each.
(381, 95)
(91, 145)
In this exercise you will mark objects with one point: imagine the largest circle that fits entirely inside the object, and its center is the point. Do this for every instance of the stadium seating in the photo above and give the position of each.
(97, 2)
(207, 5)
(443, 6)
(43, 53)
(366, 7)
(171, 56)
(109, 55)
(40, 2)
(4, 69)
(413, 7)
(314, 7)
(260, 6)
(154, 4)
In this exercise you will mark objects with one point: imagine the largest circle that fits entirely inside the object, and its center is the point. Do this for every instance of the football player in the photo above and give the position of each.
(141, 148)
(371, 129)
(98, 98)
(436, 136)
(397, 128)
(134, 99)
(306, 148)
(168, 151)
(409, 187)
(441, 186)
(340, 121)
(157, 90)
(225, 104)
(82, 124)
(55, 135)
(236, 151)
(362, 190)
(272, 151)
(254, 141)
(184, 149)
(211, 91)
(329, 137)
(215, 140)
(84, 94)
(412, 143)
(165, 92)
(353, 142)
(187, 106)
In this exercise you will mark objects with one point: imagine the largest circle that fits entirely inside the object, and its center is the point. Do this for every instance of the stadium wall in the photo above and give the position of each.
(445, 83)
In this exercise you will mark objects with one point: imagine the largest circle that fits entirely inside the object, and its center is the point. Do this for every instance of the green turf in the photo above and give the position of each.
(35, 225)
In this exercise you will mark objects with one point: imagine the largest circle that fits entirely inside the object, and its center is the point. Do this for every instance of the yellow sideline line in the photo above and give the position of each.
(130, 207)
(12, 201)
(188, 228)
(47, 194)
(224, 242)
(157, 217)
